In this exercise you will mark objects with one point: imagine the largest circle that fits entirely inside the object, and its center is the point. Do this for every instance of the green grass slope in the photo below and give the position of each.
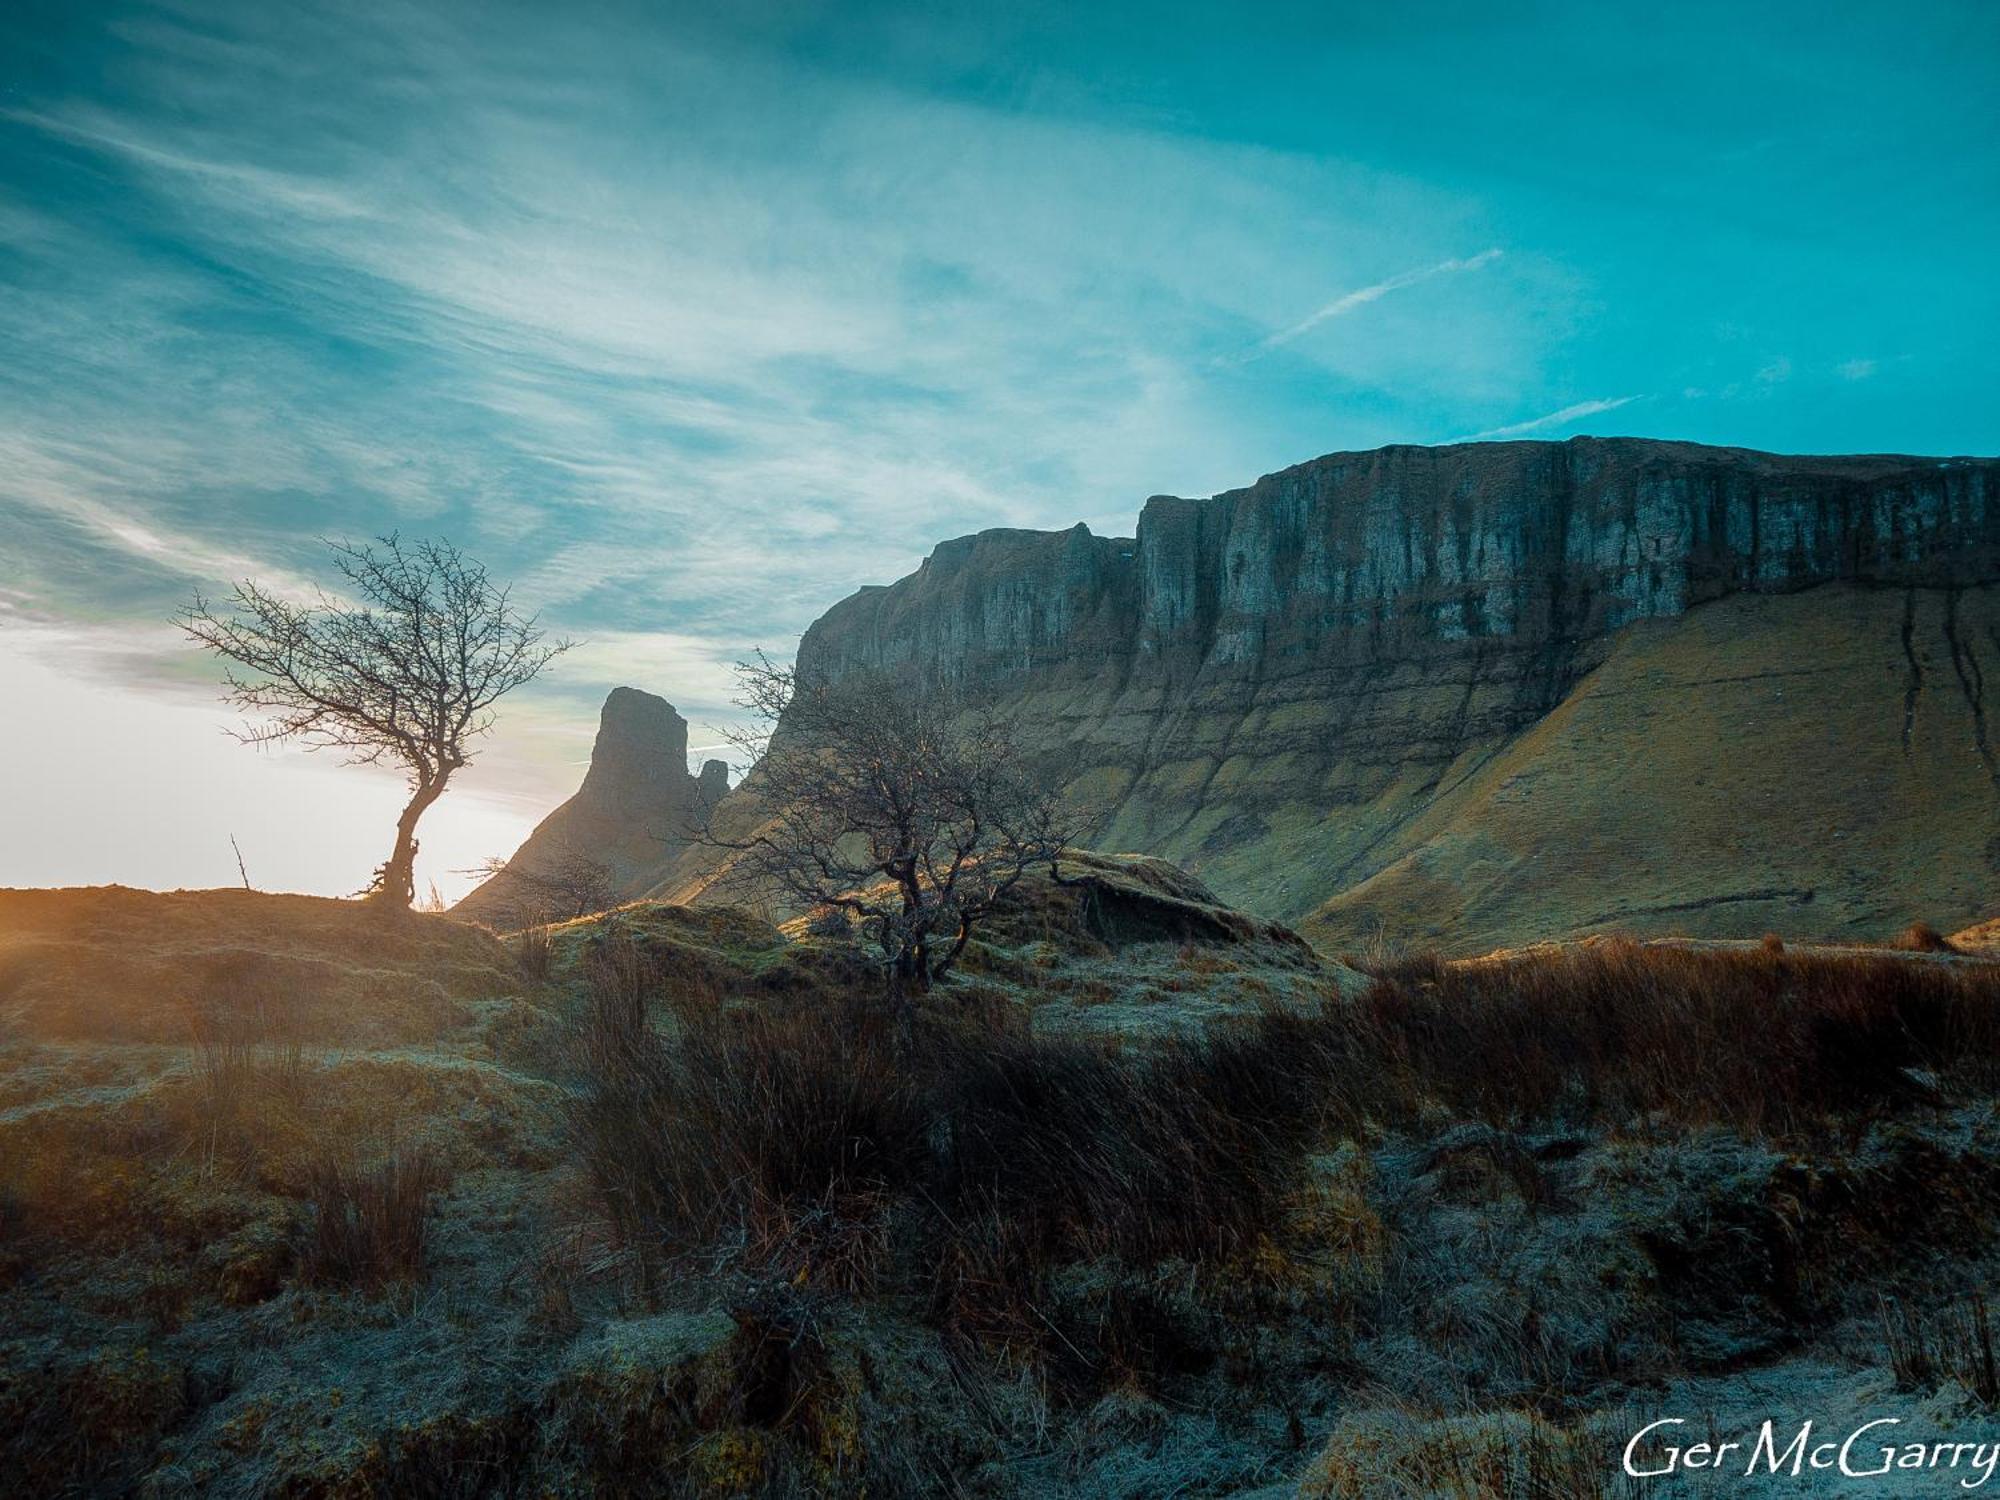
(1818, 763)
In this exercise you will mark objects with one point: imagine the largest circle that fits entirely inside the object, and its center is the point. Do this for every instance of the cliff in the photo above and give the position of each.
(1283, 687)
(632, 815)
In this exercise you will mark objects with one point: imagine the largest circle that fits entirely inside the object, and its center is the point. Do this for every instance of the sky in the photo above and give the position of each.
(688, 320)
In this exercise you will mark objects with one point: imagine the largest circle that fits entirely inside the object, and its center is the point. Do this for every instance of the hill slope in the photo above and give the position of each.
(1817, 762)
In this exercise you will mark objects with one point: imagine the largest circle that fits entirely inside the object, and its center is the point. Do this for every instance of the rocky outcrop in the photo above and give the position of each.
(634, 813)
(1272, 685)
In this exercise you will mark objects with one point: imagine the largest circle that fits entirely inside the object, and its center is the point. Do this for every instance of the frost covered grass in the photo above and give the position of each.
(1151, 1202)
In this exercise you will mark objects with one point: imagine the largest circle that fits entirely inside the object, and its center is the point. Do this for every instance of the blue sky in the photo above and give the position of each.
(691, 319)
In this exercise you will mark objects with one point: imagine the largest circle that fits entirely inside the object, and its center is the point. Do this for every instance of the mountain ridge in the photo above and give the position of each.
(1278, 684)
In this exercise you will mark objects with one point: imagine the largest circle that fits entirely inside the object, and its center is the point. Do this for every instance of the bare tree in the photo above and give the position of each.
(895, 802)
(562, 884)
(405, 671)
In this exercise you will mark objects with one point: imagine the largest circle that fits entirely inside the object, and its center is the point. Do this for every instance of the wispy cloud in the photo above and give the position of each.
(70, 484)
(1554, 419)
(684, 364)
(1348, 302)
(704, 391)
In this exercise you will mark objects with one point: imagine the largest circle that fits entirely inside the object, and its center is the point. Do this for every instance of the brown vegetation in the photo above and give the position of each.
(1921, 937)
(370, 1225)
(805, 1146)
(532, 946)
(1953, 1344)
(106, 963)
(1149, 1185)
(800, 1141)
(1612, 1030)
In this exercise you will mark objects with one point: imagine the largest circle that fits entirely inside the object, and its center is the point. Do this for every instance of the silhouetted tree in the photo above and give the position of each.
(404, 670)
(894, 801)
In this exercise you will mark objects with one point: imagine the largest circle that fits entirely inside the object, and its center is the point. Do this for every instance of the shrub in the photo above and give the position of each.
(1954, 1344)
(1921, 937)
(774, 1135)
(535, 949)
(1608, 1032)
(370, 1226)
(801, 1145)
(618, 970)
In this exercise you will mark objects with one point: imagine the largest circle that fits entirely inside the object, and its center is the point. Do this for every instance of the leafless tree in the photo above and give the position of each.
(894, 801)
(404, 670)
(560, 884)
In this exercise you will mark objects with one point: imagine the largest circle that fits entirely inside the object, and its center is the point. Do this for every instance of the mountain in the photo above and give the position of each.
(1475, 693)
(632, 816)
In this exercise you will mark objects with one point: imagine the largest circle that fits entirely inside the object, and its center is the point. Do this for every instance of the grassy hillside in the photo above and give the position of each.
(1155, 1200)
(1814, 763)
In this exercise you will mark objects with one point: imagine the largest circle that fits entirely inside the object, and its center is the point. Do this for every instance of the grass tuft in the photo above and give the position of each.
(370, 1226)
(1761, 1039)
(534, 947)
(1953, 1345)
(801, 1145)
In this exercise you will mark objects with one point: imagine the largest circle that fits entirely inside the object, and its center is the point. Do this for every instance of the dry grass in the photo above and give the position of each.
(1952, 1345)
(1922, 937)
(111, 964)
(535, 949)
(1757, 1038)
(1166, 1217)
(371, 1225)
(246, 1057)
(975, 1162)
(1396, 1455)
(811, 1148)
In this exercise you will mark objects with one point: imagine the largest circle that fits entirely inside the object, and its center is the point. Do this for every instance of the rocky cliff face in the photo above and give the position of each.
(1272, 685)
(632, 815)
(1460, 553)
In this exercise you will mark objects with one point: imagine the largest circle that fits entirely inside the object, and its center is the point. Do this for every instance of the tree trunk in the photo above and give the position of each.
(903, 987)
(397, 884)
(958, 942)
